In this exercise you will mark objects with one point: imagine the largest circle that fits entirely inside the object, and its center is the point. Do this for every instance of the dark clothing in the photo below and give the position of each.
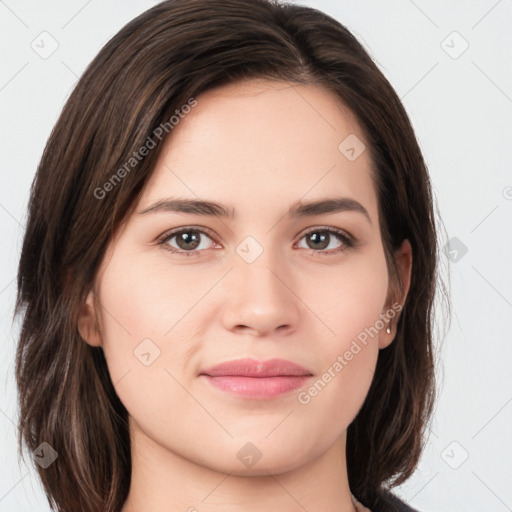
(391, 503)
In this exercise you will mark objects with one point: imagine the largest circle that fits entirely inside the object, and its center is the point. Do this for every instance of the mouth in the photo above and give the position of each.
(257, 380)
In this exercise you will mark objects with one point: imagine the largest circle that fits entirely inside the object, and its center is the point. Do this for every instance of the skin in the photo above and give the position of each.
(257, 147)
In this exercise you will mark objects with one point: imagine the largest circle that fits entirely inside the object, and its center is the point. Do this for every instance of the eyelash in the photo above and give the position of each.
(347, 242)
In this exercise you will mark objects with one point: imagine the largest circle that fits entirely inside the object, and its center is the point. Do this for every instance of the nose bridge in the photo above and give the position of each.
(259, 289)
(259, 267)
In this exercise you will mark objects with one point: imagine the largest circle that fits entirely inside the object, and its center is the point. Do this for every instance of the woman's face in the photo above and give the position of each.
(270, 280)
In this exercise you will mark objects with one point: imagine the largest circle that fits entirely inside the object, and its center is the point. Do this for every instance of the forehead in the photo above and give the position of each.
(264, 142)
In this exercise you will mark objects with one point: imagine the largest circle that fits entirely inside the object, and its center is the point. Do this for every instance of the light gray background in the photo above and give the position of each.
(460, 106)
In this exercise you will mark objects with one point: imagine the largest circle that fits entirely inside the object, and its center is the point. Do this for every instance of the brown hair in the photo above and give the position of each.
(151, 68)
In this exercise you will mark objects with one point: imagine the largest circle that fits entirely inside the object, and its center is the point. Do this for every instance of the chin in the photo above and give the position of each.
(253, 459)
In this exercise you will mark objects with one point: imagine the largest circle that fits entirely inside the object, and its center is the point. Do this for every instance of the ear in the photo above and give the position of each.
(88, 325)
(397, 296)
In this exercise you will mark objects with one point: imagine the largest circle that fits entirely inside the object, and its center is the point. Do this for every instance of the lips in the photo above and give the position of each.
(253, 379)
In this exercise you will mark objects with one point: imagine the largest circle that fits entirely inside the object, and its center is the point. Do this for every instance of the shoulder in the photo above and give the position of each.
(388, 502)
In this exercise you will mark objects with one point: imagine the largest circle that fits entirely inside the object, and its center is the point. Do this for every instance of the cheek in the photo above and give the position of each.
(145, 301)
(350, 307)
(135, 315)
(139, 307)
(347, 303)
(349, 300)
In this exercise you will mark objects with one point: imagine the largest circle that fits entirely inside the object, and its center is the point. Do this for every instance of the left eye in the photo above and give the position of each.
(321, 239)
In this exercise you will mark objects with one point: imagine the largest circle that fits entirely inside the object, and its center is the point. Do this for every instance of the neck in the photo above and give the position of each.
(164, 481)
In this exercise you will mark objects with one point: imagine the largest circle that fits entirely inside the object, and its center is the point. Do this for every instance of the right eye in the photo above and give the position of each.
(186, 241)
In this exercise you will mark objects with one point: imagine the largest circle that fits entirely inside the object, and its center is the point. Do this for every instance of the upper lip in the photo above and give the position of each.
(253, 368)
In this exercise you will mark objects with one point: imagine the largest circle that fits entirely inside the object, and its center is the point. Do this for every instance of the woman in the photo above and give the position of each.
(228, 272)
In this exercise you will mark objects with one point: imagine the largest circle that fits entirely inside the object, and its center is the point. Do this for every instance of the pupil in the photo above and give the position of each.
(185, 240)
(321, 238)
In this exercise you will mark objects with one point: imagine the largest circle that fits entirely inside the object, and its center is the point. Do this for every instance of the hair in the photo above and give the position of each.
(150, 69)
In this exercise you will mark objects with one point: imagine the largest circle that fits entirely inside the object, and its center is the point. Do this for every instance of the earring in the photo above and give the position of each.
(388, 328)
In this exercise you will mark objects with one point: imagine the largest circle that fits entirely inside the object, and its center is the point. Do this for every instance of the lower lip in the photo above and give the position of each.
(257, 387)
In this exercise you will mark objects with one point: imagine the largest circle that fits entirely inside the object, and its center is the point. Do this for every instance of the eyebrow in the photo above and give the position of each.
(299, 209)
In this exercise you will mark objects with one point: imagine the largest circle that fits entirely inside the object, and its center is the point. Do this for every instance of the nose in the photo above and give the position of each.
(261, 297)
